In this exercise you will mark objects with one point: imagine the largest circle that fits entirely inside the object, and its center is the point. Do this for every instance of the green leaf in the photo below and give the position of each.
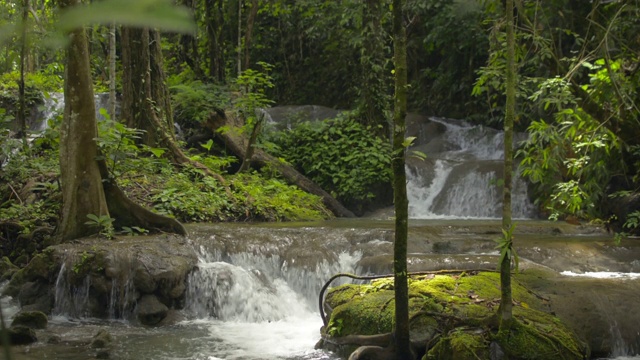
(408, 141)
(160, 14)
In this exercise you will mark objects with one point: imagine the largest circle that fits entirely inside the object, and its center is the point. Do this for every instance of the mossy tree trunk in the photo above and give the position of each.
(402, 342)
(506, 306)
(86, 185)
(82, 190)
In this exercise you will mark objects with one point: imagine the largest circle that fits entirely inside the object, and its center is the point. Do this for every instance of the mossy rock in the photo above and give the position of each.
(463, 309)
(7, 269)
(30, 319)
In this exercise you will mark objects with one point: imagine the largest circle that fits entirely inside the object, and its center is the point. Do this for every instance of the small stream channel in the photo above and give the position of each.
(254, 294)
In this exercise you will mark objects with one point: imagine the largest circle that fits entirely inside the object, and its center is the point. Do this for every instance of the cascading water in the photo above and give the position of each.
(461, 176)
(257, 307)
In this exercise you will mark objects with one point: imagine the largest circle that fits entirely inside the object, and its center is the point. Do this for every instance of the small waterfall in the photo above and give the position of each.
(72, 291)
(461, 176)
(54, 106)
(70, 300)
(255, 288)
(260, 307)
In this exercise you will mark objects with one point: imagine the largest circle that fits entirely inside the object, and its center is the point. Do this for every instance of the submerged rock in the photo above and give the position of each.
(30, 319)
(101, 340)
(150, 310)
(451, 317)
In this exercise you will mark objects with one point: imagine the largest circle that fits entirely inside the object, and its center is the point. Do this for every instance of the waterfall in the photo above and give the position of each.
(260, 307)
(462, 174)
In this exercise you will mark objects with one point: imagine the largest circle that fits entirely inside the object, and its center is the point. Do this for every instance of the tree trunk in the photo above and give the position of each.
(82, 190)
(249, 34)
(237, 144)
(214, 21)
(239, 55)
(22, 109)
(112, 71)
(374, 99)
(402, 341)
(189, 53)
(506, 306)
(146, 104)
(86, 185)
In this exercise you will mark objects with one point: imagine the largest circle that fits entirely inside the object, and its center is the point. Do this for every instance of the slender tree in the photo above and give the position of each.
(374, 98)
(22, 110)
(506, 306)
(112, 70)
(402, 343)
(214, 23)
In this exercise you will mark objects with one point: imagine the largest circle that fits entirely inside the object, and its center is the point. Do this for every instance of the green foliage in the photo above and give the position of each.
(134, 230)
(505, 245)
(568, 161)
(104, 224)
(252, 86)
(340, 155)
(194, 101)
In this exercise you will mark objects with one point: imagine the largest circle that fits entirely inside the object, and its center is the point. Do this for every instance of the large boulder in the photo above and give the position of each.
(113, 277)
(451, 317)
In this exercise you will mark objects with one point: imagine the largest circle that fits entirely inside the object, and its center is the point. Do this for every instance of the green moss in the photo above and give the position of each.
(461, 344)
(464, 308)
(362, 315)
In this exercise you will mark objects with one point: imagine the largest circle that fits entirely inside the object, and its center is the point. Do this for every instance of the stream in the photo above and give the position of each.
(254, 293)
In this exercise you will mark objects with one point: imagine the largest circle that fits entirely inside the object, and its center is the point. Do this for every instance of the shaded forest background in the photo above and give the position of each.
(577, 98)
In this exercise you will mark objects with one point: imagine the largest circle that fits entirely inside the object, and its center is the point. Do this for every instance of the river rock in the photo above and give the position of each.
(101, 340)
(150, 311)
(21, 335)
(30, 319)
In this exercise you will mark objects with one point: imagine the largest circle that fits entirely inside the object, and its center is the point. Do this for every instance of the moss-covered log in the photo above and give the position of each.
(236, 142)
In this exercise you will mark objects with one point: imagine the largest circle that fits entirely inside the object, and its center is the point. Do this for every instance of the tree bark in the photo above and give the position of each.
(82, 190)
(402, 341)
(146, 104)
(237, 144)
(145, 101)
(249, 34)
(506, 305)
(214, 22)
(374, 100)
(22, 109)
(112, 71)
(86, 185)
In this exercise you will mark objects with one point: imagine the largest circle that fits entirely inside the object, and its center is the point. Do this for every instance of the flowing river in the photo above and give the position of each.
(254, 295)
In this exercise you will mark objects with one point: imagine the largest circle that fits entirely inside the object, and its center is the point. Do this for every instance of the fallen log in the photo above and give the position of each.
(237, 143)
